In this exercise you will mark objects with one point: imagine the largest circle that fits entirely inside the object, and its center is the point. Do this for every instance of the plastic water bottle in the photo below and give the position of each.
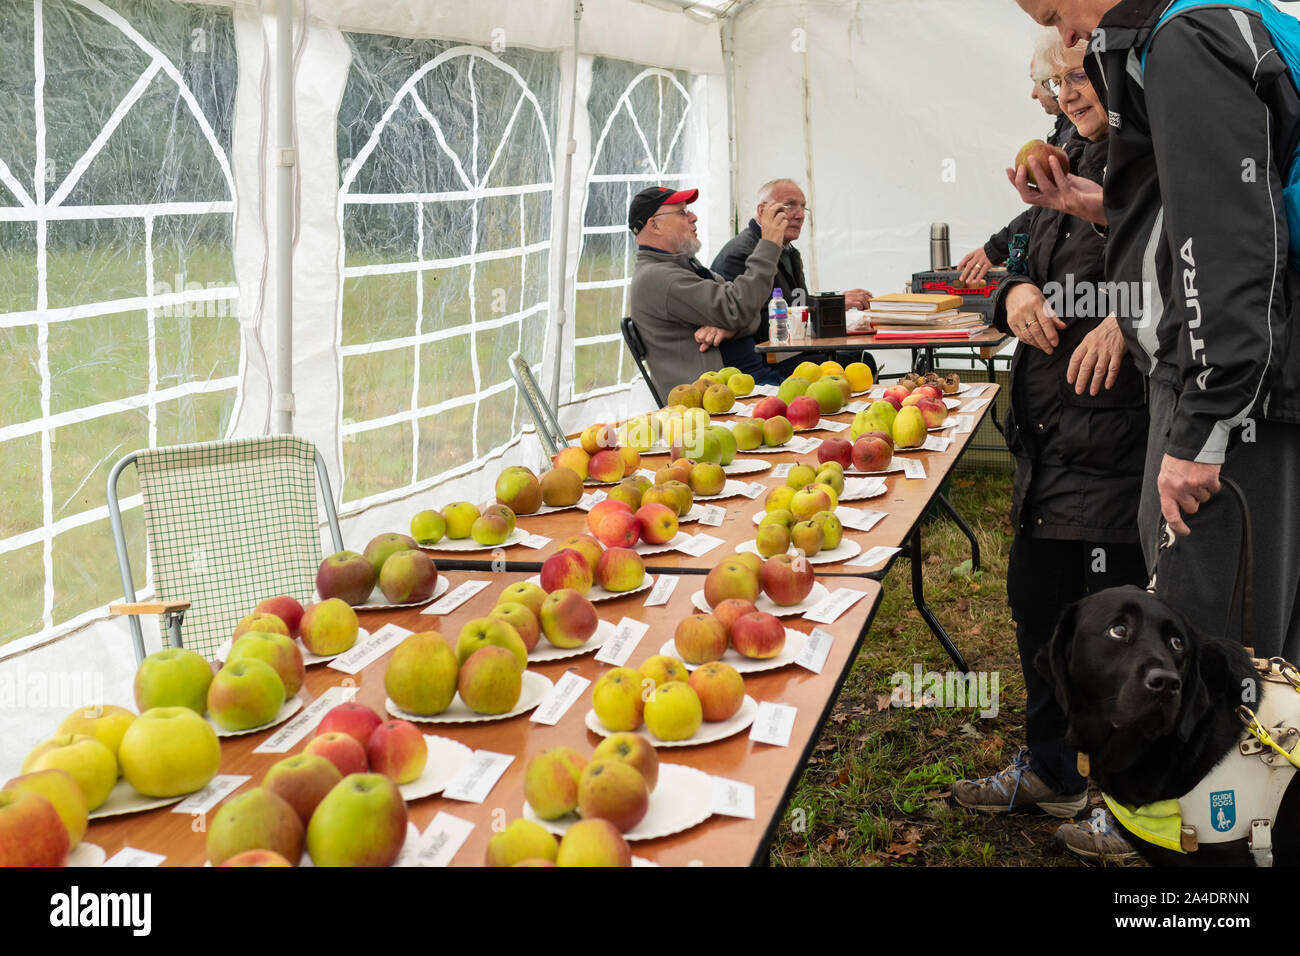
(778, 320)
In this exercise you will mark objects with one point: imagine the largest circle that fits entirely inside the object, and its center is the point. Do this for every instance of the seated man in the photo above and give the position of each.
(739, 350)
(673, 296)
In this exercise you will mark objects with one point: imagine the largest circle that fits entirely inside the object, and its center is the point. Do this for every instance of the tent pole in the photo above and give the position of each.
(286, 160)
(562, 200)
(729, 79)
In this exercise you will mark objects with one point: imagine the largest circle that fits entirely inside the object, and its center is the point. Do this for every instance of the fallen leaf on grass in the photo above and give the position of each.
(825, 745)
(938, 732)
(903, 849)
(963, 604)
(883, 701)
(992, 745)
(968, 730)
(842, 779)
(934, 559)
(914, 613)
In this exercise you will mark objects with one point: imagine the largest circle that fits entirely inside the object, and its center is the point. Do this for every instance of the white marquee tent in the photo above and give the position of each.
(458, 184)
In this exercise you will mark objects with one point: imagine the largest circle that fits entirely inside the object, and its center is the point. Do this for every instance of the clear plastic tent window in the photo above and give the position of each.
(137, 230)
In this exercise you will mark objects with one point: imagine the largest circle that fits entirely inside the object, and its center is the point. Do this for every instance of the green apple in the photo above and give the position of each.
(428, 527)
(361, 822)
(105, 723)
(421, 674)
(460, 516)
(490, 632)
(726, 443)
(84, 758)
(169, 751)
(173, 677)
(280, 652)
(491, 680)
(245, 693)
(257, 820)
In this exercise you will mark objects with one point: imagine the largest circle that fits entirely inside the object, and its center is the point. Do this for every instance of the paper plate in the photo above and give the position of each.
(125, 798)
(765, 603)
(894, 465)
(308, 658)
(681, 799)
(546, 651)
(597, 593)
(952, 402)
(287, 710)
(469, 544)
(764, 450)
(695, 514)
(446, 757)
(840, 513)
(86, 854)
(404, 858)
(860, 489)
(533, 692)
(377, 601)
(794, 644)
(730, 489)
(645, 548)
(847, 548)
(707, 734)
(739, 467)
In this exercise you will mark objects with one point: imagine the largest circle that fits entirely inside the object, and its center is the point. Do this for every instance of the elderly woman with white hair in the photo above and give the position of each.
(1079, 457)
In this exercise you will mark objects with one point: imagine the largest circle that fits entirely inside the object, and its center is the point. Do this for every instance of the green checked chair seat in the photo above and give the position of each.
(230, 523)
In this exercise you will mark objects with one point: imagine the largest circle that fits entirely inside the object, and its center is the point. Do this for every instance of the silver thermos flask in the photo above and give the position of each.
(939, 256)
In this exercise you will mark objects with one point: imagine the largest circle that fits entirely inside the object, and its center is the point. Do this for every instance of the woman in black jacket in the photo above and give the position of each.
(1079, 460)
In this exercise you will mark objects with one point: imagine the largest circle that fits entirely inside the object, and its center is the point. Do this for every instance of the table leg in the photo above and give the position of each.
(965, 529)
(918, 598)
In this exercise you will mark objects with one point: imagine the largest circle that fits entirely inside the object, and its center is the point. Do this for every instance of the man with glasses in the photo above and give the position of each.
(730, 262)
(1203, 116)
(682, 310)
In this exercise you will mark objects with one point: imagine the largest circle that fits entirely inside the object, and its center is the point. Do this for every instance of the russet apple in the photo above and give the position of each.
(699, 638)
(361, 822)
(758, 635)
(593, 843)
(302, 781)
(1040, 151)
(673, 711)
(568, 619)
(615, 791)
(422, 673)
(246, 693)
(347, 576)
(173, 677)
(169, 751)
(720, 688)
(619, 698)
(561, 487)
(398, 750)
(551, 782)
(491, 680)
(257, 820)
(521, 840)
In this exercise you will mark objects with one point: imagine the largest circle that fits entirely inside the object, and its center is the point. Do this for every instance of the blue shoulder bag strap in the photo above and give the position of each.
(1285, 32)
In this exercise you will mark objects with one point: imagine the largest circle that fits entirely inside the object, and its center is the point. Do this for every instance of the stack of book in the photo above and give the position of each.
(902, 315)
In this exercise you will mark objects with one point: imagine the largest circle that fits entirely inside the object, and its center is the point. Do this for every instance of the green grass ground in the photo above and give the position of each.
(876, 789)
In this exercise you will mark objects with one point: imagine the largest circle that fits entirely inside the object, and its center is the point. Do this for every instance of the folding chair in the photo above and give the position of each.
(548, 426)
(637, 347)
(228, 523)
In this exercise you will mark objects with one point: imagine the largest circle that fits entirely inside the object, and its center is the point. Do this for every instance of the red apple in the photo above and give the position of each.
(346, 575)
(769, 407)
(730, 579)
(871, 454)
(355, 720)
(341, 750)
(566, 568)
(286, 609)
(658, 523)
(31, 831)
(758, 635)
(835, 449)
(804, 412)
(302, 781)
(700, 638)
(398, 750)
(730, 610)
(786, 579)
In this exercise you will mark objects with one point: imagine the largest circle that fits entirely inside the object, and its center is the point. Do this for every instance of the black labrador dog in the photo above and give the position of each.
(1153, 705)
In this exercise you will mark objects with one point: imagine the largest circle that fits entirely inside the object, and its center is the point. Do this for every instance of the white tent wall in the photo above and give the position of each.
(912, 111)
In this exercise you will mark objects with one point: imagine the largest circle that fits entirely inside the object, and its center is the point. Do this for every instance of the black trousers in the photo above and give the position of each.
(1043, 577)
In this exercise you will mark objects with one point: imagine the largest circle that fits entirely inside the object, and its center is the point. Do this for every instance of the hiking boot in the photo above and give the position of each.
(1099, 838)
(1017, 788)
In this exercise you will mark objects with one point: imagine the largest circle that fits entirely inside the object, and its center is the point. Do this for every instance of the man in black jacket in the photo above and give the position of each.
(730, 262)
(1198, 247)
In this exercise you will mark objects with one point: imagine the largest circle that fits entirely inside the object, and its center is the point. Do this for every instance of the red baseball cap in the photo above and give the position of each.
(647, 202)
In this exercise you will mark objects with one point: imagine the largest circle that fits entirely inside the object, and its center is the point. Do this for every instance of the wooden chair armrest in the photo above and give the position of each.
(149, 607)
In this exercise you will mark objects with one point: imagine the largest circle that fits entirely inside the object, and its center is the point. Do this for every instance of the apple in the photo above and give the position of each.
(173, 677)
(835, 449)
(568, 619)
(708, 478)
(730, 579)
(631, 459)
(748, 434)
(741, 384)
(522, 619)
(718, 399)
(606, 466)
(792, 388)
(245, 693)
(778, 498)
(595, 438)
(749, 559)
(699, 638)
(422, 673)
(398, 750)
(490, 632)
(770, 407)
(773, 536)
(106, 723)
(502, 512)
(561, 487)
(460, 516)
(1040, 151)
(729, 611)
(618, 698)
(615, 791)
(685, 496)
(658, 523)
(361, 822)
(302, 781)
(575, 459)
(340, 749)
(833, 477)
(720, 688)
(356, 720)
(64, 794)
(346, 576)
(777, 431)
(169, 751)
(551, 782)
(909, 428)
(673, 711)
(832, 529)
(808, 537)
(31, 831)
(286, 609)
(88, 761)
(620, 569)
(428, 527)
(808, 501)
(933, 411)
(871, 454)
(382, 546)
(491, 680)
(628, 492)
(490, 530)
(660, 668)
(521, 840)
(330, 627)
(519, 490)
(587, 546)
(804, 412)
(260, 621)
(593, 843)
(277, 650)
(685, 395)
(257, 820)
(527, 593)
(258, 858)
(800, 476)
(786, 580)
(758, 635)
(828, 395)
(633, 750)
(566, 569)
